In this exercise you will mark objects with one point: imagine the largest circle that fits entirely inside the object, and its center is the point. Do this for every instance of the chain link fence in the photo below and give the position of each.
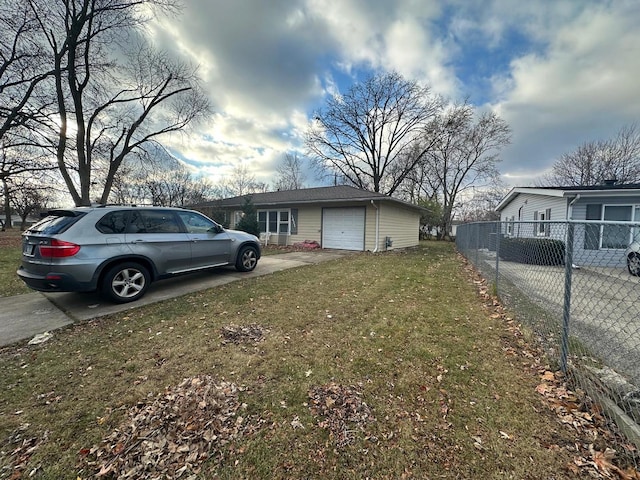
(572, 285)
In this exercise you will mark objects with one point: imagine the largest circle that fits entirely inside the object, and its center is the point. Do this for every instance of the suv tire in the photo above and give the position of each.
(247, 259)
(633, 264)
(125, 282)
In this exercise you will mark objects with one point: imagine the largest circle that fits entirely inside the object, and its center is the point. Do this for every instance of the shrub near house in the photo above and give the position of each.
(532, 251)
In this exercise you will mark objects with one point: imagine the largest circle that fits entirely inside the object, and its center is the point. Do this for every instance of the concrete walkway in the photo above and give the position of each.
(24, 316)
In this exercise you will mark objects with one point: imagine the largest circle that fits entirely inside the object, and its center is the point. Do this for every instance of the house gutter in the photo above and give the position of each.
(375, 250)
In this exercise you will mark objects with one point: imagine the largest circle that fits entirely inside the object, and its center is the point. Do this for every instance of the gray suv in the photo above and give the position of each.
(120, 250)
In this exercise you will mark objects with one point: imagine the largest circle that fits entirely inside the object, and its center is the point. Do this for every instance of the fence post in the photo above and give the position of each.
(477, 229)
(498, 234)
(566, 311)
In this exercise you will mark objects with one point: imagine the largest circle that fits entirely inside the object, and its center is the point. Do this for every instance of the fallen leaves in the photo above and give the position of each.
(573, 409)
(341, 410)
(23, 444)
(173, 433)
(600, 465)
(238, 334)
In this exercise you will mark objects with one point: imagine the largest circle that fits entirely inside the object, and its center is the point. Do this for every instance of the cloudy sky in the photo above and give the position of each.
(560, 72)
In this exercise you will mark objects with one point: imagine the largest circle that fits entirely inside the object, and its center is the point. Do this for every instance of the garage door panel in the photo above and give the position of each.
(343, 228)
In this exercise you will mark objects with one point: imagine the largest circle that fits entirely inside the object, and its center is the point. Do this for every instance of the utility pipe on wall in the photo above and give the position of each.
(375, 250)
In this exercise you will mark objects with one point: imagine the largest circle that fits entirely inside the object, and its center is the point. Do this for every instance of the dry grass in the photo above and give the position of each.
(404, 331)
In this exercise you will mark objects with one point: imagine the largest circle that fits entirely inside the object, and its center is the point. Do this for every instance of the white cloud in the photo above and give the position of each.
(582, 87)
(411, 52)
(267, 65)
(390, 36)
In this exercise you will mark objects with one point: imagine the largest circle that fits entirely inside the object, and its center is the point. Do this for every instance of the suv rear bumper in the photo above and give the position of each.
(53, 282)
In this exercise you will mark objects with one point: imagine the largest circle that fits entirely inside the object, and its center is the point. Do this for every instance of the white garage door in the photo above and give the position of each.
(343, 228)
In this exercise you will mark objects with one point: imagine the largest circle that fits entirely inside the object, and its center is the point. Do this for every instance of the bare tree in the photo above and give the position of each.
(114, 93)
(419, 185)
(364, 135)
(241, 182)
(159, 179)
(29, 195)
(17, 162)
(463, 151)
(290, 173)
(594, 162)
(22, 73)
(24, 98)
(178, 188)
(481, 205)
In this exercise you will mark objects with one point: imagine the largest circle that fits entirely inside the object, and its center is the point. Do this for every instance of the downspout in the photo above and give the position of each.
(519, 219)
(570, 212)
(375, 250)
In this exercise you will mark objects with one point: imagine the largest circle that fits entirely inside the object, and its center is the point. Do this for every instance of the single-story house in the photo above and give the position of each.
(609, 212)
(338, 217)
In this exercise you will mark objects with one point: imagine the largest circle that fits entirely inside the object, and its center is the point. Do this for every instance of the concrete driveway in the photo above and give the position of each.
(24, 316)
(605, 308)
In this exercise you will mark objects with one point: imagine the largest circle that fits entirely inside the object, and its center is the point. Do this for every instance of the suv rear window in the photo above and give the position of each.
(57, 222)
(154, 221)
(114, 222)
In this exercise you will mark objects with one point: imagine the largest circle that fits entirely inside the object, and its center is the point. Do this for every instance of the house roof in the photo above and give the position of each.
(324, 195)
(627, 189)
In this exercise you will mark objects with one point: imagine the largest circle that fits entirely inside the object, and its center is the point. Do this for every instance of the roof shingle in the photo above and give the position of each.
(339, 193)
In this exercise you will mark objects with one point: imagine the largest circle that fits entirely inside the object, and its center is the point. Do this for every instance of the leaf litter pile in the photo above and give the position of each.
(341, 410)
(171, 435)
(592, 455)
(238, 334)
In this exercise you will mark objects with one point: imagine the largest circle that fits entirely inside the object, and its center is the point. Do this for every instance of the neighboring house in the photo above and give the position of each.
(524, 210)
(433, 231)
(340, 217)
(454, 227)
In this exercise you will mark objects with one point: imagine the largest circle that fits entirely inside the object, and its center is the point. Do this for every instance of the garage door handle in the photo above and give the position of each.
(139, 240)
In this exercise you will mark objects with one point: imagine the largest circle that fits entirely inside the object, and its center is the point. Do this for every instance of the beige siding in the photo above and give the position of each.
(395, 221)
(401, 224)
(309, 225)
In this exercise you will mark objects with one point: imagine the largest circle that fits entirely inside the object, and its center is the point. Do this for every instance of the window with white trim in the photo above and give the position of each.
(274, 221)
(618, 236)
(510, 223)
(237, 216)
(541, 228)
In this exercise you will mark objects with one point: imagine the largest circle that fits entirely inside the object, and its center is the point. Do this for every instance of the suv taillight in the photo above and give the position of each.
(59, 248)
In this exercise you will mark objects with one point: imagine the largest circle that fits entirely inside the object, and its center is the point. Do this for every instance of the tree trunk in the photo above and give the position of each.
(7, 205)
